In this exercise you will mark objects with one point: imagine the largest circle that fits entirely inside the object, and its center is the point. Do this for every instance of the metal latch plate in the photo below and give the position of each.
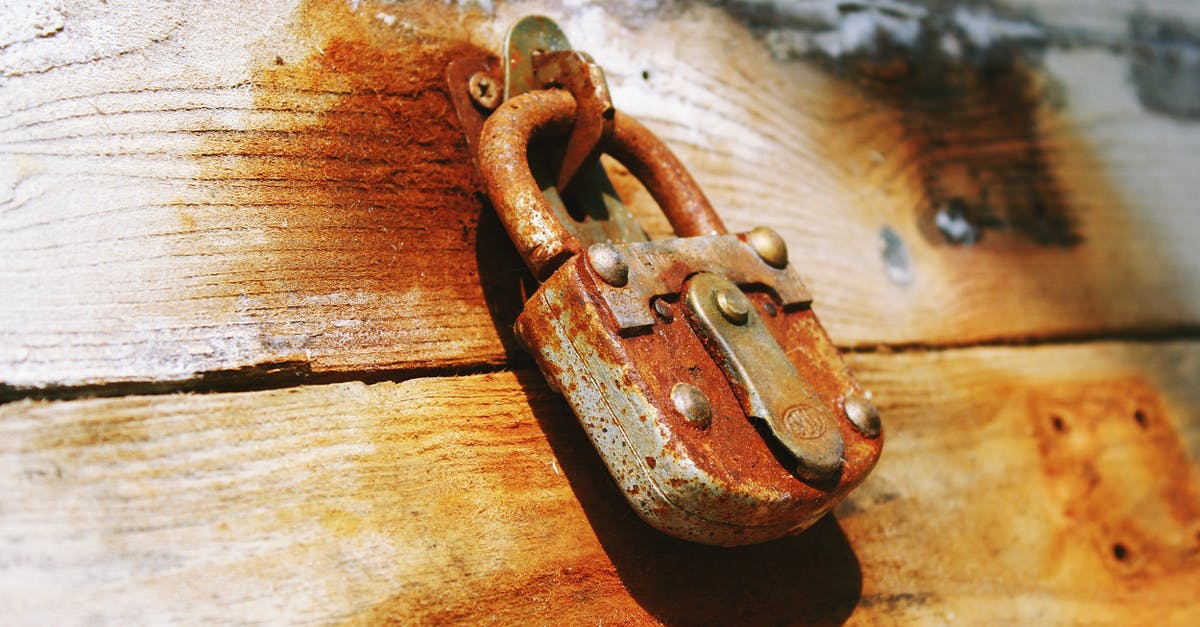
(660, 267)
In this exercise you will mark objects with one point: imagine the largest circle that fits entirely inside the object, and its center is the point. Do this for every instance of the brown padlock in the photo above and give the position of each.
(695, 364)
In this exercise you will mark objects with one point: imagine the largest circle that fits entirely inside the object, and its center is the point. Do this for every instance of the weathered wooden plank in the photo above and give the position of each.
(1046, 485)
(195, 188)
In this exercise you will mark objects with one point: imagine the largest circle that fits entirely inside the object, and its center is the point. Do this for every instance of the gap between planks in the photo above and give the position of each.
(292, 374)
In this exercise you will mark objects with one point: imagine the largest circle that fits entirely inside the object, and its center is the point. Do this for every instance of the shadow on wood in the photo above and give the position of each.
(504, 279)
(812, 578)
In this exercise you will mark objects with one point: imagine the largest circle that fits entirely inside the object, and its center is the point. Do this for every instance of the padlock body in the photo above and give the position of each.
(724, 482)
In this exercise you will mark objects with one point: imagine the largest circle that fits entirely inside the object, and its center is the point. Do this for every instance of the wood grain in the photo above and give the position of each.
(1009, 477)
(193, 191)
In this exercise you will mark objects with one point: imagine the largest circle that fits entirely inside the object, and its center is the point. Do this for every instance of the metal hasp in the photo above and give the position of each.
(765, 381)
(695, 364)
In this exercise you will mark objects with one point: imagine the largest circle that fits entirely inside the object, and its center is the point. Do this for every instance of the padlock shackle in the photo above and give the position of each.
(543, 241)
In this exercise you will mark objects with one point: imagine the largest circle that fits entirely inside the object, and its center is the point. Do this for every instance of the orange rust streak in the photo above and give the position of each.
(359, 179)
(1122, 476)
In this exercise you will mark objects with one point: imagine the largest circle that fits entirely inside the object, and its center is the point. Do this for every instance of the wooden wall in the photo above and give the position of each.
(254, 233)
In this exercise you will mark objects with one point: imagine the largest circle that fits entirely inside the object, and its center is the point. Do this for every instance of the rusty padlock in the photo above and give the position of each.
(695, 364)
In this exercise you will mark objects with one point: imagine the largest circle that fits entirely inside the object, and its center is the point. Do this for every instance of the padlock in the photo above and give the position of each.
(695, 365)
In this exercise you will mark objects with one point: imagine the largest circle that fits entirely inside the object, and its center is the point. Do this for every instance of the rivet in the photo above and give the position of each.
(769, 245)
(863, 415)
(692, 404)
(484, 91)
(609, 264)
(733, 305)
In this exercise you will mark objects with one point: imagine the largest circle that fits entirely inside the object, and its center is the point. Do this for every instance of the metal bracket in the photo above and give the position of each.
(530, 35)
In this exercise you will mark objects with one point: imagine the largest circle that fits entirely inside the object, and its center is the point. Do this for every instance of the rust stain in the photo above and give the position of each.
(1123, 477)
(355, 174)
(977, 135)
(960, 94)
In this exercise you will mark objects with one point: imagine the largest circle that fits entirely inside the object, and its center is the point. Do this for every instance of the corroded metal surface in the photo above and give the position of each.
(660, 268)
(538, 56)
(722, 483)
(540, 235)
(694, 364)
(526, 38)
(578, 74)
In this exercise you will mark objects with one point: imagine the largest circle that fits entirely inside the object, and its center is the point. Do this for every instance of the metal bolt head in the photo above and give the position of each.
(484, 90)
(692, 404)
(734, 305)
(863, 415)
(608, 262)
(769, 246)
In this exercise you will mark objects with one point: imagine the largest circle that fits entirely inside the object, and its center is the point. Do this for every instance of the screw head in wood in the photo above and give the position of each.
(769, 246)
(484, 90)
(608, 262)
(734, 305)
(863, 415)
(692, 404)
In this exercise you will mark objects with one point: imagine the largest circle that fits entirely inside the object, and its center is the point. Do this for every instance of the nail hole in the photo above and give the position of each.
(1120, 551)
(1141, 418)
(1060, 425)
(645, 75)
